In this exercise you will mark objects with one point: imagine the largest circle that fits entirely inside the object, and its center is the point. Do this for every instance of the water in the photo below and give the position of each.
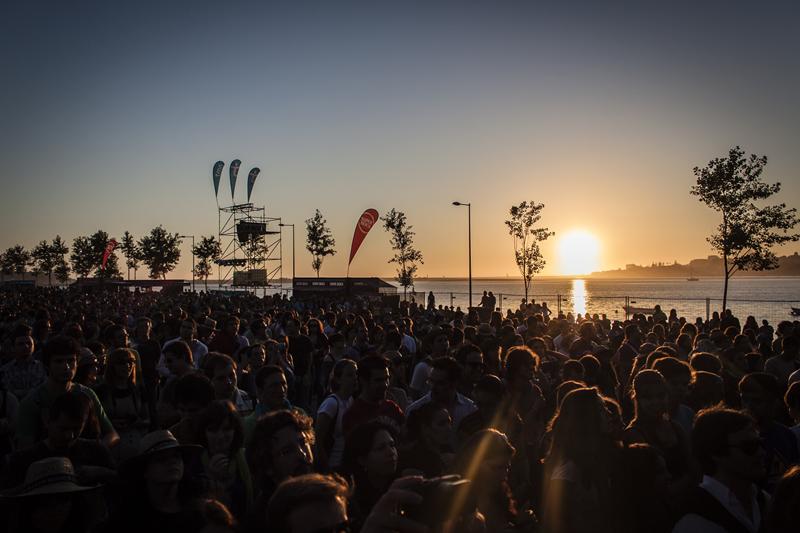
(764, 298)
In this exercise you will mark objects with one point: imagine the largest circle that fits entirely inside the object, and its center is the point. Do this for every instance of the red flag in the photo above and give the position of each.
(365, 223)
(107, 252)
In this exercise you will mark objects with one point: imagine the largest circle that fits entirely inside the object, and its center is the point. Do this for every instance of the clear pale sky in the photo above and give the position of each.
(111, 117)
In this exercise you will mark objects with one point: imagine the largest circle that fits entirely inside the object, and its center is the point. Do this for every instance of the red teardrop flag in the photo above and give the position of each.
(365, 223)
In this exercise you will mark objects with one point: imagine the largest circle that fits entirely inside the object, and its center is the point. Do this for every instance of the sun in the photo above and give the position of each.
(578, 253)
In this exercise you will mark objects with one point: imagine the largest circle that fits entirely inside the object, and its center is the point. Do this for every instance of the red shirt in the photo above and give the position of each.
(362, 412)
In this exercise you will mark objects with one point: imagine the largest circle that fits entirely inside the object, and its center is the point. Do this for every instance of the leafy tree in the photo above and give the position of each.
(16, 259)
(6, 268)
(131, 252)
(730, 185)
(87, 257)
(44, 260)
(319, 240)
(59, 250)
(522, 227)
(99, 241)
(82, 257)
(402, 240)
(160, 252)
(206, 252)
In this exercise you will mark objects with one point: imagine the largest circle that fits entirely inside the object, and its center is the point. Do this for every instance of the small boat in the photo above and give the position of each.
(691, 276)
(633, 310)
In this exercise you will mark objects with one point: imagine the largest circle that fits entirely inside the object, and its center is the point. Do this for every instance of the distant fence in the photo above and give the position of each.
(621, 307)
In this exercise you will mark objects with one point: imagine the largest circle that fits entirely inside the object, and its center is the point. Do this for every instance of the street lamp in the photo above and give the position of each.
(192, 237)
(469, 245)
(291, 226)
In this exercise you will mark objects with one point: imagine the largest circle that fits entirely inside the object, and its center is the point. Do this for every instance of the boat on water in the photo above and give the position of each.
(633, 310)
(692, 276)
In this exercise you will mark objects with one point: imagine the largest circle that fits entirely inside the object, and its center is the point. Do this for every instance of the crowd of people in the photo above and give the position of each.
(187, 412)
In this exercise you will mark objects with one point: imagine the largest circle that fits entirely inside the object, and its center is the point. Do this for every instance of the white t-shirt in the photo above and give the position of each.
(335, 407)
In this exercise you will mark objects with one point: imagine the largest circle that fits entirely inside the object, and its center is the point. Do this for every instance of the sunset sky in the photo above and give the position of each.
(112, 116)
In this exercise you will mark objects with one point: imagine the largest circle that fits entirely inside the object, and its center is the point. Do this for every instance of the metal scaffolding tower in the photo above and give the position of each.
(251, 247)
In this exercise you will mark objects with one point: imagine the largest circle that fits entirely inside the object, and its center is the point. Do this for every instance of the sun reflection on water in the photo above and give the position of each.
(579, 296)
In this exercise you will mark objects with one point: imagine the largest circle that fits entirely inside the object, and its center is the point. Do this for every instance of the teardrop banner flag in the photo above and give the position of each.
(365, 223)
(234, 170)
(107, 252)
(251, 180)
(217, 175)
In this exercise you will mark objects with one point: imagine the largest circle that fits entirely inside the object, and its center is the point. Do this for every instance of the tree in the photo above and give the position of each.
(44, 260)
(99, 240)
(16, 259)
(160, 252)
(206, 251)
(522, 227)
(59, 250)
(131, 253)
(87, 257)
(730, 185)
(319, 240)
(82, 257)
(402, 241)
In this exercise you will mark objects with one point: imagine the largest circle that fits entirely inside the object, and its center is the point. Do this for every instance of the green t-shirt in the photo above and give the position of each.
(34, 413)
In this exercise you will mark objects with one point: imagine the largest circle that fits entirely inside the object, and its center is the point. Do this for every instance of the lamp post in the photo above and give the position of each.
(291, 226)
(192, 237)
(469, 245)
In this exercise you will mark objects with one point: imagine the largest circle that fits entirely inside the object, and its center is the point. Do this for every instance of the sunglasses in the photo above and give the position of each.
(749, 447)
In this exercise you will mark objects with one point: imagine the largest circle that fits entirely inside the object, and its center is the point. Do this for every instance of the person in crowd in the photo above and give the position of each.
(761, 398)
(437, 344)
(646, 482)
(272, 389)
(729, 451)
(784, 509)
(60, 358)
(22, 373)
(228, 341)
(485, 459)
(445, 377)
(787, 362)
(193, 393)
(160, 491)
(66, 419)
(706, 362)
(257, 333)
(251, 359)
(398, 378)
(652, 425)
(125, 402)
(470, 358)
(792, 401)
(330, 415)
(705, 390)
(677, 376)
(221, 434)
(281, 448)
(428, 450)
(88, 371)
(178, 360)
(581, 477)
(371, 402)
(50, 499)
(370, 457)
(310, 503)
(221, 369)
(188, 335)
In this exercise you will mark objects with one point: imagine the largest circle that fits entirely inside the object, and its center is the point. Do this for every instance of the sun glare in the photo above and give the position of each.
(578, 253)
